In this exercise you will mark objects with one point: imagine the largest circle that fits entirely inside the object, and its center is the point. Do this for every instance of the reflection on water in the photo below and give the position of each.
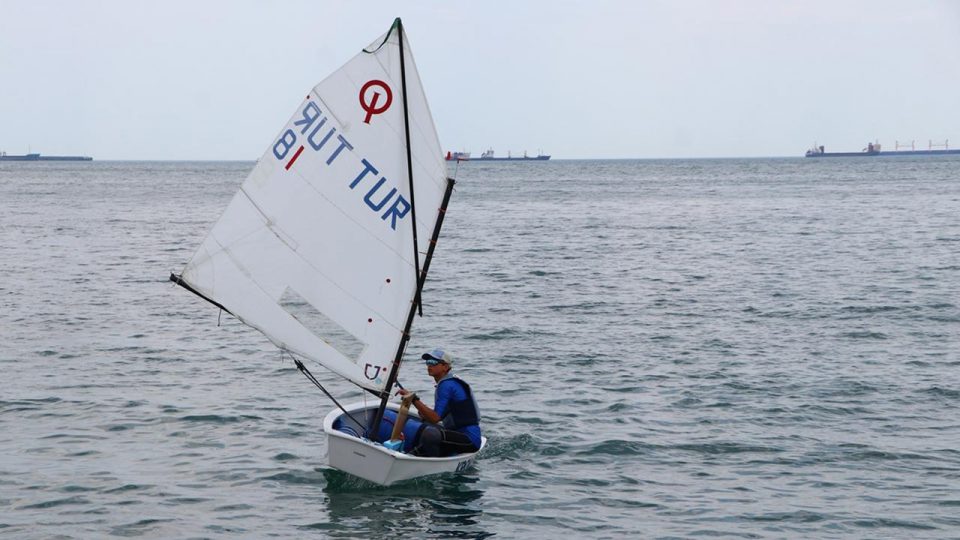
(445, 506)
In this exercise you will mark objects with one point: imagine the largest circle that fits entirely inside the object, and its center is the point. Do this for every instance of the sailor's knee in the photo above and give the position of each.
(431, 435)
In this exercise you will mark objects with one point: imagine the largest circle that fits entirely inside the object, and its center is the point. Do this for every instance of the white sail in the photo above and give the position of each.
(323, 222)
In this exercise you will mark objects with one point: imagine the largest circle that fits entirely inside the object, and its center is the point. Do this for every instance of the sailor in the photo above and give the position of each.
(454, 421)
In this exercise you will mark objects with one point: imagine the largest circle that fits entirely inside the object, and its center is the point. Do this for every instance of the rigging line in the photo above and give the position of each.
(396, 23)
(413, 206)
(178, 280)
(306, 372)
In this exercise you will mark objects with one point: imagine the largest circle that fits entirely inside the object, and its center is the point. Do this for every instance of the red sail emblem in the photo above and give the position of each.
(371, 105)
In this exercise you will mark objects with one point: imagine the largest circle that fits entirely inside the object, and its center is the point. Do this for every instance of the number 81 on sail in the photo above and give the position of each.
(393, 205)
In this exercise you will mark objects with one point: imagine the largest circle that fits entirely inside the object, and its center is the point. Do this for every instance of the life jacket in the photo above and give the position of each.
(461, 413)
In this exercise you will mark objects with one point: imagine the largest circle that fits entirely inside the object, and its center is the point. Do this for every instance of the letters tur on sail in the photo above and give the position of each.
(324, 218)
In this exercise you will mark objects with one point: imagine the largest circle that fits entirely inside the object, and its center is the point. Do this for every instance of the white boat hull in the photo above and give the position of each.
(372, 461)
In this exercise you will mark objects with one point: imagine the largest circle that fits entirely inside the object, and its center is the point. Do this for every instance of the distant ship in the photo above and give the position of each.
(37, 157)
(873, 149)
(488, 156)
(457, 156)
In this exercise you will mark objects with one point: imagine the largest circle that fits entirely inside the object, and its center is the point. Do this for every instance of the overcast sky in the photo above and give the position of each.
(123, 79)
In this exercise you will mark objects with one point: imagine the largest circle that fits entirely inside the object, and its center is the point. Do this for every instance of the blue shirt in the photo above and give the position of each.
(448, 393)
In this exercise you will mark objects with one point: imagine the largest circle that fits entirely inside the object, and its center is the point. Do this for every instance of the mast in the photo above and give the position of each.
(406, 129)
(395, 368)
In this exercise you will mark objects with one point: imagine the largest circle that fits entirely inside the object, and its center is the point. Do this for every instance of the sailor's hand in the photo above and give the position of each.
(407, 397)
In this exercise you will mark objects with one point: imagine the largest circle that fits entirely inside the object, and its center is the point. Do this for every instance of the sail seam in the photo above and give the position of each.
(331, 281)
(271, 225)
(280, 345)
(439, 179)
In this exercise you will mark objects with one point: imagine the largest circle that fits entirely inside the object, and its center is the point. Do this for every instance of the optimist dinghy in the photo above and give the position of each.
(320, 250)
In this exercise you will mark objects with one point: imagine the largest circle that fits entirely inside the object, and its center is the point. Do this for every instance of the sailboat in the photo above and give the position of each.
(322, 248)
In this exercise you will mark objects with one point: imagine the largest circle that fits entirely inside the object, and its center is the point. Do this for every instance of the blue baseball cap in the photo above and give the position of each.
(438, 355)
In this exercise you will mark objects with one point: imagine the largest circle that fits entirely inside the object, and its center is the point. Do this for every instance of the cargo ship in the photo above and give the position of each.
(488, 156)
(38, 157)
(874, 149)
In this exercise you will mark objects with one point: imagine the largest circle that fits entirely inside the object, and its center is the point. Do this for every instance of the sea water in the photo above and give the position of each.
(742, 348)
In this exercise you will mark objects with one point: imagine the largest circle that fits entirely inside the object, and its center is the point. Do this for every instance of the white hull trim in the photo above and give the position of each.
(373, 462)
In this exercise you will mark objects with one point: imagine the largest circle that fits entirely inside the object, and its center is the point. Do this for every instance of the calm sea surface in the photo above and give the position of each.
(756, 348)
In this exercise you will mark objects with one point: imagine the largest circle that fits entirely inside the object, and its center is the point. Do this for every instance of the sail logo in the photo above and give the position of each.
(376, 374)
(317, 139)
(380, 197)
(398, 206)
(371, 106)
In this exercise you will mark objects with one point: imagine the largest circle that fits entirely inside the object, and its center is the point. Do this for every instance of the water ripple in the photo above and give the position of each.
(660, 349)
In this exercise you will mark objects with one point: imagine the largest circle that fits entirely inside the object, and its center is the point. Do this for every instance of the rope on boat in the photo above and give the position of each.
(306, 372)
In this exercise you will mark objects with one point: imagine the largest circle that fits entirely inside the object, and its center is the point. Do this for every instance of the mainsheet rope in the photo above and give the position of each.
(306, 372)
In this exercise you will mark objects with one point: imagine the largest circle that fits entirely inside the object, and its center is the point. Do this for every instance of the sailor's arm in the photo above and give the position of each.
(425, 412)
